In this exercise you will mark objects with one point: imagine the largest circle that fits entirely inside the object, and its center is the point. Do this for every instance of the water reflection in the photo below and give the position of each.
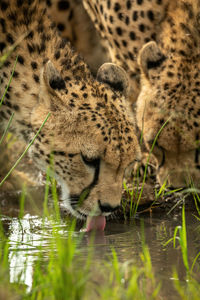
(27, 236)
(24, 242)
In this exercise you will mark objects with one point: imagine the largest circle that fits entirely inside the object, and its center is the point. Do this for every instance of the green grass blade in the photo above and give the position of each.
(146, 166)
(46, 193)
(194, 261)
(197, 202)
(55, 199)
(21, 202)
(169, 241)
(183, 240)
(175, 235)
(9, 82)
(25, 151)
(7, 127)
(115, 264)
(178, 286)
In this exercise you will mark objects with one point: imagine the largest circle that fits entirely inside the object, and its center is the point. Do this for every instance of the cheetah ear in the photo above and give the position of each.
(52, 77)
(150, 57)
(114, 76)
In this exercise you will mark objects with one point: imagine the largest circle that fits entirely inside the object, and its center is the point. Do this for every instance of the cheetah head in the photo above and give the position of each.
(168, 111)
(89, 137)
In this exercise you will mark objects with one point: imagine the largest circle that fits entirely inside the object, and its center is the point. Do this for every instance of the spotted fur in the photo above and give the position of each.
(74, 24)
(127, 25)
(90, 132)
(169, 65)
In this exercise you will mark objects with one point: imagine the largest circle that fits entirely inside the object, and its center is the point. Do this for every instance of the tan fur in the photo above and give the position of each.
(170, 81)
(74, 24)
(127, 30)
(170, 93)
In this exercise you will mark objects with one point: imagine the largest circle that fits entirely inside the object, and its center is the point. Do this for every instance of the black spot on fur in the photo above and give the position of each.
(4, 5)
(128, 4)
(15, 74)
(7, 63)
(74, 95)
(20, 59)
(63, 5)
(132, 35)
(34, 65)
(3, 25)
(30, 35)
(2, 46)
(9, 39)
(57, 54)
(117, 7)
(25, 86)
(31, 48)
(62, 153)
(48, 2)
(61, 26)
(57, 83)
(150, 15)
(16, 107)
(36, 78)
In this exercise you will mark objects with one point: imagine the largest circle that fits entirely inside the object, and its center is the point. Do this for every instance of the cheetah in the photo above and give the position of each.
(90, 131)
(162, 39)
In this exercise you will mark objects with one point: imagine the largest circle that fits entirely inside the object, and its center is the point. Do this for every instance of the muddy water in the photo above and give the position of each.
(28, 234)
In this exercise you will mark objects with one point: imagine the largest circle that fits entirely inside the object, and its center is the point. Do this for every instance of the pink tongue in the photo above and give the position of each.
(95, 223)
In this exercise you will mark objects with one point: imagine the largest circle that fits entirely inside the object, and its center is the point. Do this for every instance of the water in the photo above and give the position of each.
(31, 233)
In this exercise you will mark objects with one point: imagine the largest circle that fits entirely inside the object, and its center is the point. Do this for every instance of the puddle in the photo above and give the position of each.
(32, 233)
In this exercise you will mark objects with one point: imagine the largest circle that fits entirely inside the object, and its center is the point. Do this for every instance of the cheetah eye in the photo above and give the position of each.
(92, 162)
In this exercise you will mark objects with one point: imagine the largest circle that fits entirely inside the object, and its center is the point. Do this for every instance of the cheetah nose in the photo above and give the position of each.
(106, 207)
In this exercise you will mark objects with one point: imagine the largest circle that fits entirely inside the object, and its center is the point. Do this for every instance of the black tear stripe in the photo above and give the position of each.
(153, 64)
(75, 198)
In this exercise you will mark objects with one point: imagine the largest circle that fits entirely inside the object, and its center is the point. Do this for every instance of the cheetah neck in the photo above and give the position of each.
(180, 30)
